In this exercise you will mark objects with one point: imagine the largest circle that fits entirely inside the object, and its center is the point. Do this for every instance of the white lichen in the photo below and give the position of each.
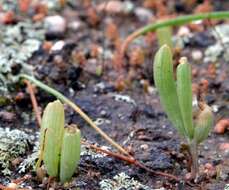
(13, 144)
(123, 181)
(221, 47)
(30, 161)
(18, 43)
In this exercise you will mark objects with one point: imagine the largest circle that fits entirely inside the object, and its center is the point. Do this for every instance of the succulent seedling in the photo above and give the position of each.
(176, 99)
(59, 146)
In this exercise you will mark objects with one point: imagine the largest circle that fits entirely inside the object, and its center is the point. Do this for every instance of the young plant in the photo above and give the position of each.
(77, 109)
(59, 146)
(176, 99)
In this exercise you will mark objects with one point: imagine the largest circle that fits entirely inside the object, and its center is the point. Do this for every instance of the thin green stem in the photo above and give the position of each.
(183, 20)
(172, 22)
(193, 146)
(62, 98)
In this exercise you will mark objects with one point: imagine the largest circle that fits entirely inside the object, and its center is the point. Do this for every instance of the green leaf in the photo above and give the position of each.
(70, 153)
(165, 83)
(184, 92)
(203, 124)
(52, 128)
(164, 36)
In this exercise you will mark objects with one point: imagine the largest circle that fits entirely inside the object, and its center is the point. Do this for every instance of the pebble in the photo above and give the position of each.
(111, 7)
(197, 55)
(103, 113)
(7, 116)
(55, 26)
(221, 126)
(75, 25)
(91, 66)
(144, 146)
(143, 14)
(202, 39)
(188, 176)
(183, 31)
(116, 7)
(58, 46)
(224, 147)
(209, 169)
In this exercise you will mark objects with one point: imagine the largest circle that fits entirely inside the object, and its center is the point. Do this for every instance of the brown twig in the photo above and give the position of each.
(132, 160)
(22, 179)
(17, 182)
(34, 102)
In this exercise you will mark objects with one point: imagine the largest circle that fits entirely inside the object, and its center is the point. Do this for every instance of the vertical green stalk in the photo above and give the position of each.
(193, 146)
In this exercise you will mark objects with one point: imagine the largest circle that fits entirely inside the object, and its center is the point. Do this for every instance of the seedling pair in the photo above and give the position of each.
(176, 99)
(59, 146)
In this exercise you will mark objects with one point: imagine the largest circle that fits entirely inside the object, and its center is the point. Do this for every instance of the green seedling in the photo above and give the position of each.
(59, 146)
(176, 99)
(76, 108)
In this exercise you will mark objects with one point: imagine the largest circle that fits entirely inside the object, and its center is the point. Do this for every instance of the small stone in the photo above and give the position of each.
(91, 66)
(197, 55)
(55, 26)
(144, 146)
(116, 7)
(224, 147)
(208, 166)
(7, 116)
(103, 113)
(215, 108)
(188, 176)
(111, 7)
(221, 126)
(183, 31)
(143, 14)
(58, 46)
(151, 90)
(209, 169)
(75, 25)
